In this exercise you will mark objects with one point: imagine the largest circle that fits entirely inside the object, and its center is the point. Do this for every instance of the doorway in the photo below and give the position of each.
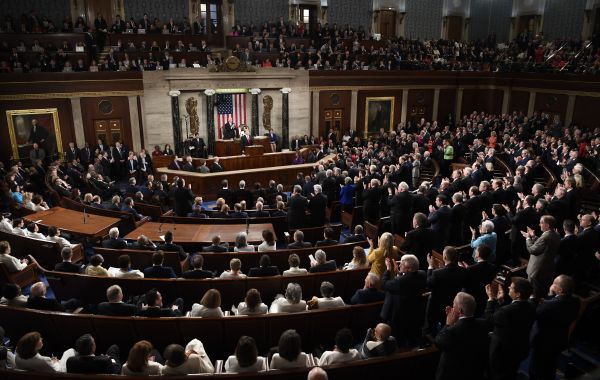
(108, 130)
(455, 28)
(387, 23)
(104, 7)
(527, 24)
(333, 120)
(308, 16)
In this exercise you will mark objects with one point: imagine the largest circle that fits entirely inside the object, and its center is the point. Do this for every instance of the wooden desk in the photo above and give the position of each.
(233, 147)
(207, 185)
(254, 150)
(194, 234)
(95, 226)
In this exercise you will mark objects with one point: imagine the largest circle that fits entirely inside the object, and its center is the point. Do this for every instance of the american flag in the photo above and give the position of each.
(233, 105)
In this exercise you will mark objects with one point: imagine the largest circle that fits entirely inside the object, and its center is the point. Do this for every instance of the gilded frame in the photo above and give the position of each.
(387, 103)
(19, 139)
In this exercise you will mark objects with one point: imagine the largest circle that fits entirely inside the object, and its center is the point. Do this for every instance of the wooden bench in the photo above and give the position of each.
(153, 211)
(126, 225)
(219, 335)
(92, 289)
(24, 277)
(351, 219)
(47, 253)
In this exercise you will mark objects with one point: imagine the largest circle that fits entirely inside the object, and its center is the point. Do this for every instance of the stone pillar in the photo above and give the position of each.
(177, 137)
(210, 120)
(570, 110)
(531, 104)
(254, 111)
(285, 118)
(353, 111)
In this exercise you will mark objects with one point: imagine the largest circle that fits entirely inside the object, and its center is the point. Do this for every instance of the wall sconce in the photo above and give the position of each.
(323, 11)
(401, 16)
(375, 15)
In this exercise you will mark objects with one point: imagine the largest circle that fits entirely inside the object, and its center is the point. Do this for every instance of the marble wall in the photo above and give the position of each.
(156, 104)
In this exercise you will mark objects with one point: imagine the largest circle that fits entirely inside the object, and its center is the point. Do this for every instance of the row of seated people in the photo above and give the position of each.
(6, 46)
(33, 22)
(143, 359)
(59, 62)
(154, 47)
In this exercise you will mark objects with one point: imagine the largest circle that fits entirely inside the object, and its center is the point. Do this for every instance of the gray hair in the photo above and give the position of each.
(466, 303)
(372, 279)
(113, 232)
(293, 293)
(327, 289)
(320, 256)
(318, 189)
(411, 261)
(488, 226)
(241, 240)
(403, 186)
(113, 292)
(242, 184)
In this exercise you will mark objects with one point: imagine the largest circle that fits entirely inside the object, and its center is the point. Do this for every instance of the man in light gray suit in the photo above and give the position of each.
(542, 250)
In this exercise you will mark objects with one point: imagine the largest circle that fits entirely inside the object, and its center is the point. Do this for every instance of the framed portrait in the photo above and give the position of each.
(27, 127)
(379, 114)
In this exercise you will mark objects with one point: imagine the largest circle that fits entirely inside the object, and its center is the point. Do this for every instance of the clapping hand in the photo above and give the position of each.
(452, 316)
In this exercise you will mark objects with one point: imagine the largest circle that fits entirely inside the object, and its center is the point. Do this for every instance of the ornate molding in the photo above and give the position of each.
(209, 92)
(286, 90)
(71, 95)
(255, 91)
(174, 93)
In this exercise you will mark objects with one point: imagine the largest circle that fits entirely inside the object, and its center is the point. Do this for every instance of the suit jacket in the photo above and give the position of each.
(444, 283)
(72, 154)
(43, 303)
(66, 266)
(215, 248)
(183, 200)
(215, 168)
(403, 299)
(173, 248)
(478, 276)
(521, 220)
(440, 224)
(542, 252)
(401, 211)
(317, 206)
(301, 244)
(155, 312)
(245, 141)
(512, 324)
(355, 238)
(326, 267)
(371, 199)
(567, 255)
(296, 214)
(244, 195)
(369, 295)
(159, 271)
(198, 274)
(419, 242)
(464, 348)
(552, 321)
(263, 271)
(92, 365)
(116, 309)
(118, 243)
(325, 242)
(226, 194)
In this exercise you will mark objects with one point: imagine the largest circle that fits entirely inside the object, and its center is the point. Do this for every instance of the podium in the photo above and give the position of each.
(254, 150)
(232, 147)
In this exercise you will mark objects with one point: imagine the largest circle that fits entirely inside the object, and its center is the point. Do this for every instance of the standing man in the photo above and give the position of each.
(400, 209)
(296, 215)
(512, 318)
(118, 157)
(542, 250)
(246, 139)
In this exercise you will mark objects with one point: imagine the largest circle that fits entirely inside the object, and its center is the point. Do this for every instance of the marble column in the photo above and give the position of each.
(254, 111)
(177, 136)
(285, 118)
(210, 120)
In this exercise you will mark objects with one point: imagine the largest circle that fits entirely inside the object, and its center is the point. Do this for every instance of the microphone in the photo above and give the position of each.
(84, 216)
(247, 225)
(160, 227)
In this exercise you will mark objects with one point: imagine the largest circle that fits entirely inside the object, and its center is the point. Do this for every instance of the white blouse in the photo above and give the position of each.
(231, 365)
(199, 310)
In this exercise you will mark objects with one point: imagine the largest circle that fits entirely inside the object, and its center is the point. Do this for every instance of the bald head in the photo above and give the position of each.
(317, 373)
(382, 332)
(38, 289)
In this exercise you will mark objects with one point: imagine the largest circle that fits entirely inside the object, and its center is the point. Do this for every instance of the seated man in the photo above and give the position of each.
(154, 306)
(11, 296)
(86, 361)
(343, 351)
(198, 272)
(235, 270)
(37, 300)
(132, 187)
(124, 270)
(260, 213)
(237, 212)
(292, 302)
(265, 269)
(11, 263)
(370, 292)
(299, 241)
(115, 305)
(320, 264)
(216, 246)
(113, 241)
(168, 246)
(295, 270)
(280, 209)
(128, 207)
(327, 300)
(359, 235)
(379, 342)
(328, 238)
(66, 265)
(158, 270)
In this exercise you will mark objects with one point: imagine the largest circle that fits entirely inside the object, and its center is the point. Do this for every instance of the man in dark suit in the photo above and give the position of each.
(118, 155)
(183, 198)
(87, 362)
(321, 264)
(512, 318)
(168, 246)
(197, 272)
(66, 265)
(550, 333)
(358, 236)
(114, 241)
(243, 194)
(403, 308)
(440, 221)
(229, 130)
(245, 139)
(463, 342)
(226, 193)
(317, 204)
(328, 235)
(371, 198)
(296, 214)
(370, 292)
(400, 209)
(299, 241)
(153, 307)
(566, 260)
(260, 212)
(216, 166)
(527, 217)
(457, 221)
(265, 269)
(115, 305)
(128, 207)
(479, 275)
(37, 300)
(237, 212)
(132, 186)
(216, 246)
(588, 242)
(443, 283)
(199, 146)
(72, 152)
(158, 270)
(419, 242)
(38, 133)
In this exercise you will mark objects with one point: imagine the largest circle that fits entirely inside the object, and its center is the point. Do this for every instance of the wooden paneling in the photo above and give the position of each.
(584, 114)
(65, 118)
(552, 103)
(446, 106)
(362, 100)
(334, 100)
(91, 112)
(519, 101)
(482, 100)
(419, 104)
